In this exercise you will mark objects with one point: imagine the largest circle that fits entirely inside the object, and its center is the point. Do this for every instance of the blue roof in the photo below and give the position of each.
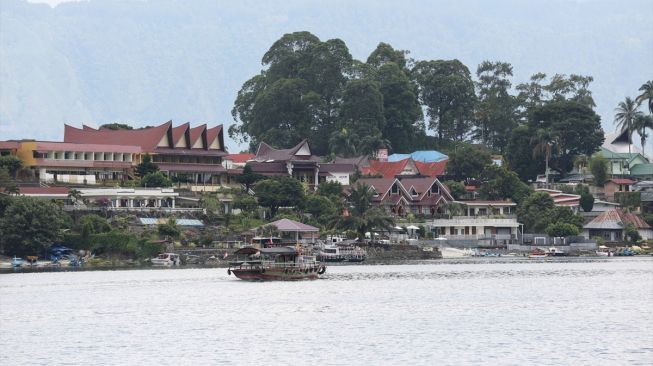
(425, 156)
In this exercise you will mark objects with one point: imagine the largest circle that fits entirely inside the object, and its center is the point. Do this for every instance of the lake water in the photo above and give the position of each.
(469, 312)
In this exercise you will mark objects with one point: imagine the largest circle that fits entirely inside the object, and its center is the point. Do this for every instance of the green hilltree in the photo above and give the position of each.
(279, 192)
(31, 225)
(11, 163)
(577, 127)
(599, 169)
(446, 90)
(146, 166)
(519, 154)
(156, 179)
(467, 161)
(496, 113)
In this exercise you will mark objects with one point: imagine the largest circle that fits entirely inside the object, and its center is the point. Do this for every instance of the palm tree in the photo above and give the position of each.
(546, 143)
(647, 94)
(626, 114)
(362, 216)
(641, 124)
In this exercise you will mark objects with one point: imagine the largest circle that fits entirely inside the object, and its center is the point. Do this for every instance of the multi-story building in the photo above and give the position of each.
(90, 156)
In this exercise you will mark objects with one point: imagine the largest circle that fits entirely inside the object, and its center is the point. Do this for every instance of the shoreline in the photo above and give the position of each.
(373, 262)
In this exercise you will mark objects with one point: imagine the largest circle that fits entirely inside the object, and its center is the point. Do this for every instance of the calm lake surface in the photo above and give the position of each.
(468, 312)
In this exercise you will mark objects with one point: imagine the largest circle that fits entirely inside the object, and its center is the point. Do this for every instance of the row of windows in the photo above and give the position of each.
(68, 155)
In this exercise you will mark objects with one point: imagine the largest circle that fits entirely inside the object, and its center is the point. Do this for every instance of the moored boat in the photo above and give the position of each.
(538, 253)
(166, 259)
(274, 264)
(16, 262)
(341, 252)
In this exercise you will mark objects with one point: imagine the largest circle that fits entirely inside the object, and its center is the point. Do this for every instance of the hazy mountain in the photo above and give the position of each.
(145, 62)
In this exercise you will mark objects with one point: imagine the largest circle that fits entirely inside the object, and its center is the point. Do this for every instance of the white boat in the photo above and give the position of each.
(456, 253)
(16, 262)
(166, 259)
(602, 254)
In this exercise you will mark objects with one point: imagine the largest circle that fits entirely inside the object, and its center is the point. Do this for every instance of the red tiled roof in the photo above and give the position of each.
(146, 138)
(196, 134)
(387, 169)
(44, 190)
(240, 158)
(212, 134)
(616, 219)
(421, 185)
(9, 145)
(381, 185)
(431, 169)
(621, 181)
(178, 132)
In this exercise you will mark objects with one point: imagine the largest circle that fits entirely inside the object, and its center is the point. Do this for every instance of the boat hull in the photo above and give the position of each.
(275, 274)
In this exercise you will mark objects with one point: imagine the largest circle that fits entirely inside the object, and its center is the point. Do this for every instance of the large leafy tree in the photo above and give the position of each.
(467, 161)
(362, 116)
(279, 192)
(297, 96)
(599, 169)
(401, 108)
(447, 92)
(496, 113)
(499, 183)
(11, 163)
(146, 166)
(31, 225)
(156, 179)
(577, 127)
(519, 154)
(625, 115)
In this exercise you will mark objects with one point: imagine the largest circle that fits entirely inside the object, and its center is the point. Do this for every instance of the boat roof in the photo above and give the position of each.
(275, 250)
(279, 250)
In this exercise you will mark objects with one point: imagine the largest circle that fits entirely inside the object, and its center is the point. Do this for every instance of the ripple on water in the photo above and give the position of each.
(446, 312)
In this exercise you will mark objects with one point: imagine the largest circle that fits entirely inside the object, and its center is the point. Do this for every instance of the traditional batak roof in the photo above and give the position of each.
(301, 151)
(149, 139)
(615, 220)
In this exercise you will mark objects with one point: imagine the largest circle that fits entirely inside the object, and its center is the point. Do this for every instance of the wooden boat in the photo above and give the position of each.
(538, 253)
(274, 264)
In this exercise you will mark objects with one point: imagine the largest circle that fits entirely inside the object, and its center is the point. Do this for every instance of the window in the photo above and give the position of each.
(413, 192)
(435, 188)
(394, 189)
